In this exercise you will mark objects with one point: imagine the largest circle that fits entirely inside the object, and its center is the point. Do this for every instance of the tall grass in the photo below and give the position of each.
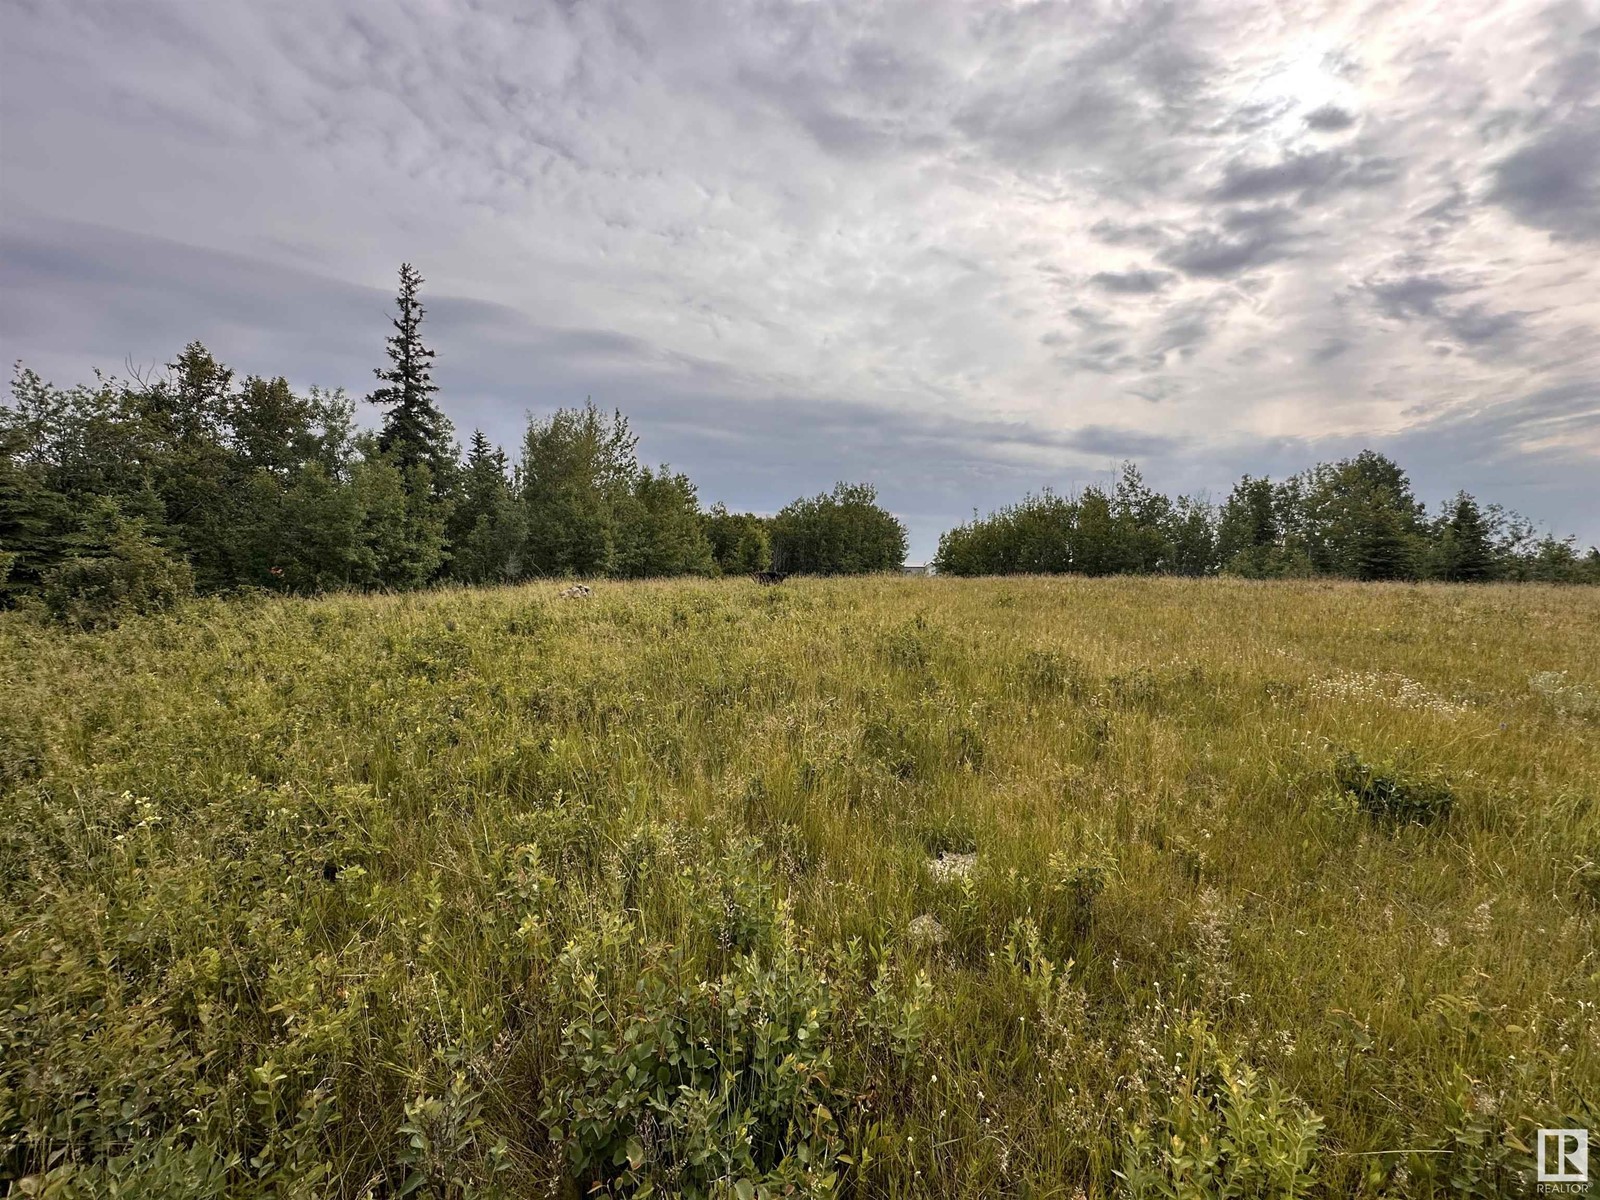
(1045, 887)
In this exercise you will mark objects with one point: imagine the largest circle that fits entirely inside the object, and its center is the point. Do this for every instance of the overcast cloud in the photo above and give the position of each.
(962, 249)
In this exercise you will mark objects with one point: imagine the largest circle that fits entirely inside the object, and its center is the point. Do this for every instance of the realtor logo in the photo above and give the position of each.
(1563, 1156)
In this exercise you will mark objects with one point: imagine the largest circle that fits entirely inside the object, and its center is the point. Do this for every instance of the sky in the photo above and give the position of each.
(962, 250)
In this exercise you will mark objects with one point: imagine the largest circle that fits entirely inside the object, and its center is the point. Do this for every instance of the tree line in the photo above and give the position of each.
(125, 492)
(1356, 519)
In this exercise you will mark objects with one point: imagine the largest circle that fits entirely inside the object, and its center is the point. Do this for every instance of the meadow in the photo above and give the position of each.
(868, 887)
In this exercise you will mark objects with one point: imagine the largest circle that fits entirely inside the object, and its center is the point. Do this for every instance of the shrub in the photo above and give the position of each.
(690, 1085)
(1048, 673)
(115, 571)
(1078, 882)
(1392, 794)
(1225, 1130)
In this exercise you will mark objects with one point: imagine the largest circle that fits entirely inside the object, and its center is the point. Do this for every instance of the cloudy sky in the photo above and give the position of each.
(962, 249)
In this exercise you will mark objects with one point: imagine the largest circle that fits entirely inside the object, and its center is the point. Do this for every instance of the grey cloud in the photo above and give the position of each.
(1477, 324)
(1553, 181)
(1474, 325)
(1330, 118)
(1306, 173)
(1107, 356)
(1139, 233)
(1096, 439)
(1246, 239)
(1448, 213)
(1133, 282)
(1411, 295)
(1097, 320)
(1080, 84)
(1186, 327)
(1157, 390)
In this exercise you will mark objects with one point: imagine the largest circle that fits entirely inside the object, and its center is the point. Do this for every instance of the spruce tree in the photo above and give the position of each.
(415, 433)
(486, 530)
(1471, 557)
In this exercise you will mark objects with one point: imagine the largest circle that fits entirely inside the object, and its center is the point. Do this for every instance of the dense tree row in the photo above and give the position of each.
(126, 492)
(1358, 519)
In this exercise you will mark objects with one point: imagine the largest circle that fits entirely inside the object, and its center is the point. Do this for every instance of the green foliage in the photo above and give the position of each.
(1394, 793)
(113, 570)
(659, 530)
(487, 526)
(740, 543)
(578, 466)
(1461, 551)
(1078, 881)
(701, 1088)
(1356, 518)
(1031, 537)
(1129, 530)
(402, 538)
(842, 532)
(1250, 533)
(258, 486)
(1224, 1131)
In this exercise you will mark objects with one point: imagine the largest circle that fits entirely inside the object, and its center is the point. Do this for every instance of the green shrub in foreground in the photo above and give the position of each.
(1225, 1130)
(689, 1083)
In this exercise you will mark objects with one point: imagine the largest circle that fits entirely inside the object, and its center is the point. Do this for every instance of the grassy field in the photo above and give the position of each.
(1030, 887)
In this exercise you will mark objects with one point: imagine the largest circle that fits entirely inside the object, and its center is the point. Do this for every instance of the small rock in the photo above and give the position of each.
(925, 931)
(950, 866)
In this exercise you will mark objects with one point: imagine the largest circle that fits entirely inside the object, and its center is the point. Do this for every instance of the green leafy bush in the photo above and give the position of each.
(1225, 1130)
(1078, 881)
(689, 1086)
(1392, 793)
(116, 570)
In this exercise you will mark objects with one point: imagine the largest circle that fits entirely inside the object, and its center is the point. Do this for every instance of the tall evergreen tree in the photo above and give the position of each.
(1462, 550)
(486, 529)
(1359, 518)
(414, 432)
